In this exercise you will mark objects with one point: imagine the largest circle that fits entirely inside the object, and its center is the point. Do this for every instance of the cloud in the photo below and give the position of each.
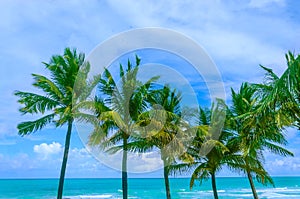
(46, 162)
(3, 130)
(78, 158)
(278, 165)
(8, 134)
(34, 31)
(45, 150)
(137, 162)
(18, 161)
(233, 35)
(148, 162)
(283, 166)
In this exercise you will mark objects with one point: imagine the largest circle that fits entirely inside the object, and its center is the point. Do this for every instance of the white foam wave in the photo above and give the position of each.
(268, 193)
(282, 192)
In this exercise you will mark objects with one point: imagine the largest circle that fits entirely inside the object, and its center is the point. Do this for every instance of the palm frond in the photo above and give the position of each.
(35, 103)
(48, 87)
(26, 128)
(277, 149)
(202, 172)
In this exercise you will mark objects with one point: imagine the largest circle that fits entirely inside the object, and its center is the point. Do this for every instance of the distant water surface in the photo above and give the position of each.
(231, 188)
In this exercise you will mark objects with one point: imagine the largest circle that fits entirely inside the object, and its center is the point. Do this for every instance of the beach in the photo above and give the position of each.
(228, 188)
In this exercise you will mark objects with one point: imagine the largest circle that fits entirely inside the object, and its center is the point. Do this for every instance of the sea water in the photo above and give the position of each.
(231, 188)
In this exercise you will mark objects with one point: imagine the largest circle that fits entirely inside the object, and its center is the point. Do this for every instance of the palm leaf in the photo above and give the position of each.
(35, 103)
(32, 126)
(47, 86)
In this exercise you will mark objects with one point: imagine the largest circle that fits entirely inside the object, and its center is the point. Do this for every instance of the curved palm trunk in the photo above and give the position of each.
(124, 169)
(167, 183)
(255, 196)
(214, 185)
(64, 162)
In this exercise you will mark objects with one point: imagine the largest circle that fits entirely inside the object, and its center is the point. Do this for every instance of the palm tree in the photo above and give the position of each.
(166, 138)
(209, 147)
(212, 140)
(59, 99)
(282, 93)
(118, 107)
(255, 132)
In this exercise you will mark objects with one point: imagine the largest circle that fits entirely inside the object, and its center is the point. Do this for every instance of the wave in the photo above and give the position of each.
(283, 192)
(276, 193)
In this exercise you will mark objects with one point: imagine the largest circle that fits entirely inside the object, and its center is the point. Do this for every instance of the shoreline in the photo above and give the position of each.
(119, 178)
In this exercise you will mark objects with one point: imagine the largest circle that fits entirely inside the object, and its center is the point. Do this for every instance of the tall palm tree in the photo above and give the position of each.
(255, 132)
(57, 104)
(118, 107)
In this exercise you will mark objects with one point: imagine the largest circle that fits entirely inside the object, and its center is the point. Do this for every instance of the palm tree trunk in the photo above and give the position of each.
(255, 196)
(167, 183)
(124, 169)
(65, 159)
(214, 186)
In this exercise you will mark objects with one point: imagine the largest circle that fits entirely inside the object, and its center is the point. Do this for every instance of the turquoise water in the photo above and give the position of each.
(231, 188)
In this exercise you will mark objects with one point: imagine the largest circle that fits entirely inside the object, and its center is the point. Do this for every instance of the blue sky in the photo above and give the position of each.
(237, 35)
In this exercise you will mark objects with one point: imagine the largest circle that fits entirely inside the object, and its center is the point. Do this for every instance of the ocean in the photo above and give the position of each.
(229, 187)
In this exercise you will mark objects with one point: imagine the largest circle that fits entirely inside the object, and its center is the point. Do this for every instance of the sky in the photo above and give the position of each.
(237, 35)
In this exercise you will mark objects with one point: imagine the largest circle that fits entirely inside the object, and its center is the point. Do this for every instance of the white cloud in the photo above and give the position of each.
(278, 162)
(80, 163)
(137, 162)
(283, 166)
(148, 162)
(230, 33)
(279, 165)
(8, 133)
(80, 153)
(21, 160)
(51, 154)
(45, 150)
(17, 161)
